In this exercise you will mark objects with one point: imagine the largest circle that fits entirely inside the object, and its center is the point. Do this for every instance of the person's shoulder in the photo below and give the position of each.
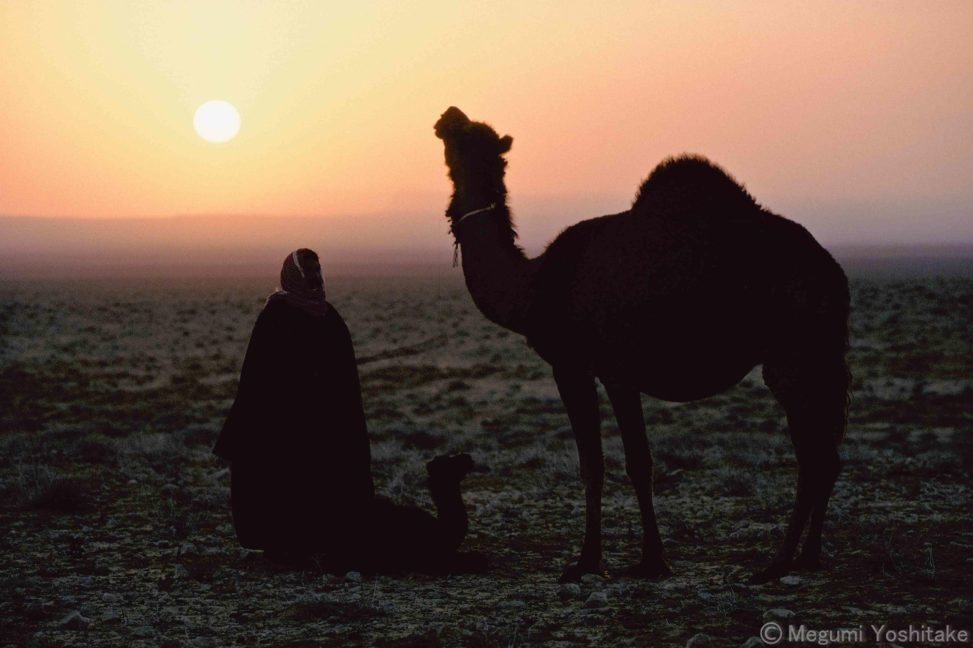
(334, 318)
(276, 310)
(333, 312)
(273, 308)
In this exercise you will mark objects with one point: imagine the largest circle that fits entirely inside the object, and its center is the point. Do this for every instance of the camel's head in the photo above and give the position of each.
(473, 151)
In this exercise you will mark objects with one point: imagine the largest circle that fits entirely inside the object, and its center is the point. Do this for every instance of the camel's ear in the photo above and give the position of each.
(451, 122)
(505, 143)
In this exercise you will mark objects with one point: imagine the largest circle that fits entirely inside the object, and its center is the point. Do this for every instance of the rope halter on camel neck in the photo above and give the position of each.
(481, 210)
(459, 221)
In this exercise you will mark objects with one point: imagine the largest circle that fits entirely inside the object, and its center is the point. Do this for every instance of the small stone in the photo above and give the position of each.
(143, 632)
(592, 580)
(700, 641)
(753, 642)
(569, 591)
(187, 549)
(790, 580)
(36, 610)
(596, 600)
(330, 579)
(179, 572)
(779, 614)
(353, 577)
(75, 621)
(595, 617)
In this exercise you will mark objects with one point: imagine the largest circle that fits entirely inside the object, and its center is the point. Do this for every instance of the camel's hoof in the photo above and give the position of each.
(776, 570)
(574, 572)
(652, 569)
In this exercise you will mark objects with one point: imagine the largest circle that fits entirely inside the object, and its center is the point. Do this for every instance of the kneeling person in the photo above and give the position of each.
(297, 442)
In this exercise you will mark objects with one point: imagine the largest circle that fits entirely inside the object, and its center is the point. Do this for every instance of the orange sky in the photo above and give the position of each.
(855, 118)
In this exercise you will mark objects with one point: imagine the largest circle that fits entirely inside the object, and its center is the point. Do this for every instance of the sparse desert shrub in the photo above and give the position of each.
(200, 435)
(680, 451)
(723, 602)
(750, 451)
(98, 449)
(161, 455)
(457, 385)
(420, 440)
(178, 514)
(658, 415)
(939, 462)
(681, 530)
(735, 482)
(333, 611)
(904, 558)
(43, 489)
(12, 448)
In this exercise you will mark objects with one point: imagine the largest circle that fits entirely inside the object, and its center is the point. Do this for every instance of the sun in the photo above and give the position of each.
(217, 121)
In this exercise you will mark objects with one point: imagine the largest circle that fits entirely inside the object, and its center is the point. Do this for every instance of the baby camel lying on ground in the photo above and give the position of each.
(409, 538)
(393, 537)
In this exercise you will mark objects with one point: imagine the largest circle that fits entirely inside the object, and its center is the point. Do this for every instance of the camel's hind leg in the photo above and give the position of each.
(580, 397)
(627, 404)
(815, 397)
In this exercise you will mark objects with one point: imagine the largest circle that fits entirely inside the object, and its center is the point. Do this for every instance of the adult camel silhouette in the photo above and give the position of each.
(678, 298)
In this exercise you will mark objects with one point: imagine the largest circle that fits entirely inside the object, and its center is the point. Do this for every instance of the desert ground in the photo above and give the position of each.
(115, 527)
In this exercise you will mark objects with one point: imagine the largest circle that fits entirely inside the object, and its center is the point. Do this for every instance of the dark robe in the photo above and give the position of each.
(296, 435)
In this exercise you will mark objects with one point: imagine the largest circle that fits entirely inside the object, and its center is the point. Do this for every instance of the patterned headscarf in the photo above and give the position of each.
(302, 282)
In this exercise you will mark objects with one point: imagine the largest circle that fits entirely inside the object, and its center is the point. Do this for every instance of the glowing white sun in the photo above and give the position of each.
(217, 121)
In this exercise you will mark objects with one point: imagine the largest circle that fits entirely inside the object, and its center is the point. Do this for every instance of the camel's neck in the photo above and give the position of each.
(497, 273)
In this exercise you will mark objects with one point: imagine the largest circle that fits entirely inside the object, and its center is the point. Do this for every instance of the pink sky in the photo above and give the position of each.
(854, 118)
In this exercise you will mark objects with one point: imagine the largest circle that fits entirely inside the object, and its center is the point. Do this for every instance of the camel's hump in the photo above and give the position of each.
(688, 179)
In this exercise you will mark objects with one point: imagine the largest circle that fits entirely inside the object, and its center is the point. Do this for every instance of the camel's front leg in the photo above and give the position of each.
(627, 404)
(580, 397)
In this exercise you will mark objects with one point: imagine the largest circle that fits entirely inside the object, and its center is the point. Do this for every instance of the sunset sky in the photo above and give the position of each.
(854, 118)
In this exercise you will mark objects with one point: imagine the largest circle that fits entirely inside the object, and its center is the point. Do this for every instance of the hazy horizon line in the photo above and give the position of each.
(858, 260)
(187, 245)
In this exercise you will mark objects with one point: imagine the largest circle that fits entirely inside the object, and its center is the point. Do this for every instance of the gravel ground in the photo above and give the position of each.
(115, 529)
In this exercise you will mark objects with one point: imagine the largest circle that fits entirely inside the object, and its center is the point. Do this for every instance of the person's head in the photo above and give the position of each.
(301, 273)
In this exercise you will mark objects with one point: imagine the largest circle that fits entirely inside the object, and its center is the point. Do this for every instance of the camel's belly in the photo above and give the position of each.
(678, 373)
(686, 383)
(679, 361)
